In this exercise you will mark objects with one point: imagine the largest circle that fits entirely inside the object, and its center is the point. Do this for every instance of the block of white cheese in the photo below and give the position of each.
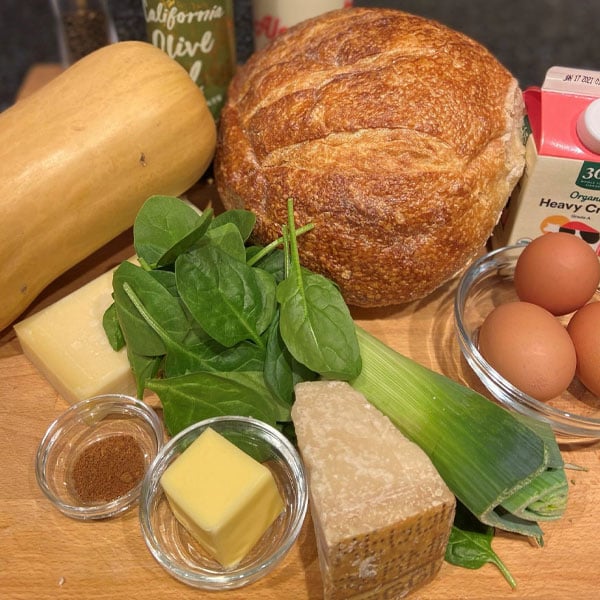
(382, 513)
(225, 498)
(67, 343)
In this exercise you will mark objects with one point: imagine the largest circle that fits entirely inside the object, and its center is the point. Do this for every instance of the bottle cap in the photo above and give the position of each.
(588, 126)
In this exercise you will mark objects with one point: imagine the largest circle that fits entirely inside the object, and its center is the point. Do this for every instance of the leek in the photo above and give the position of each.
(506, 469)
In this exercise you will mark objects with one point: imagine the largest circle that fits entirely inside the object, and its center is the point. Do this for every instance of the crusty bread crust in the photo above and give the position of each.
(399, 138)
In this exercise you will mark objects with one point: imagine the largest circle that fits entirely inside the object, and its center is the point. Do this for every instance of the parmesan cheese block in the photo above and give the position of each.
(67, 344)
(381, 511)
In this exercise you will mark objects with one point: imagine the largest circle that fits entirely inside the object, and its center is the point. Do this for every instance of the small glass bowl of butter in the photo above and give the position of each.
(92, 459)
(178, 550)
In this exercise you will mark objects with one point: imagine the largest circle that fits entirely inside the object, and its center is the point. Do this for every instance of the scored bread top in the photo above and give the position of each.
(399, 138)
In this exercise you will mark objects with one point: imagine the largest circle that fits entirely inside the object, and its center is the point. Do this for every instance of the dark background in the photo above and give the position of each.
(527, 36)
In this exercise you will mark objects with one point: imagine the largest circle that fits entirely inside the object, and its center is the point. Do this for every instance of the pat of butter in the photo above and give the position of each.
(67, 344)
(222, 496)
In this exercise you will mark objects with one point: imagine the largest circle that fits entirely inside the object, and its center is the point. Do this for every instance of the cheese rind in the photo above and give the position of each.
(66, 342)
(222, 496)
(382, 513)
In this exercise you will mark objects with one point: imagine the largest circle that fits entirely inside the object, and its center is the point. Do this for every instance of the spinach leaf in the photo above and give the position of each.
(166, 226)
(470, 544)
(313, 326)
(141, 338)
(179, 358)
(231, 301)
(143, 368)
(245, 356)
(244, 221)
(315, 322)
(166, 279)
(110, 323)
(228, 238)
(197, 396)
(273, 263)
(282, 371)
(195, 333)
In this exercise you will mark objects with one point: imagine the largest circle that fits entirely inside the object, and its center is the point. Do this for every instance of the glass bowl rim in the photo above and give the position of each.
(110, 404)
(564, 422)
(225, 580)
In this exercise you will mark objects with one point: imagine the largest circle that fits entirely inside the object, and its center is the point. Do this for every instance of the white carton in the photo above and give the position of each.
(560, 187)
(272, 17)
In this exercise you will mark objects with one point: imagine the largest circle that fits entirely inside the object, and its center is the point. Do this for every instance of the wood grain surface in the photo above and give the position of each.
(44, 554)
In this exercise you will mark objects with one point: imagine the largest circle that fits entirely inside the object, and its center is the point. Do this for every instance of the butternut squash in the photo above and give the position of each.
(80, 156)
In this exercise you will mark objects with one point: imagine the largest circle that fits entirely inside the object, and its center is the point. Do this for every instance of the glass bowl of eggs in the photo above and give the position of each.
(527, 318)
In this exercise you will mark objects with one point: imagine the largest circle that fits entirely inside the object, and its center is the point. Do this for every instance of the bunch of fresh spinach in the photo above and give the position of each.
(215, 326)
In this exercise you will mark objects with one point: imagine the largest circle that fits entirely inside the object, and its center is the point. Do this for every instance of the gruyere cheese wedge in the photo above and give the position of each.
(382, 513)
(222, 496)
(67, 343)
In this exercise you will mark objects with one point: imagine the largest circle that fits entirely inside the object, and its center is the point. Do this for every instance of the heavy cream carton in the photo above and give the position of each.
(560, 187)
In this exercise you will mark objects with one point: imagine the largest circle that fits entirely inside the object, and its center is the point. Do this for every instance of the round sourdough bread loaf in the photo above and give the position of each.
(399, 138)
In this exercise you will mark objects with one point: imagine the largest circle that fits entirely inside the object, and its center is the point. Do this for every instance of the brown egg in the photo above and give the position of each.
(584, 329)
(530, 348)
(557, 271)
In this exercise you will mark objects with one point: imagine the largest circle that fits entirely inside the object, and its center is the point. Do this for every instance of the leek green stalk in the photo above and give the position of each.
(505, 468)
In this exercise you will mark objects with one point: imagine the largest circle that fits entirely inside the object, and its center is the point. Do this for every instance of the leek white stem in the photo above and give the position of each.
(506, 469)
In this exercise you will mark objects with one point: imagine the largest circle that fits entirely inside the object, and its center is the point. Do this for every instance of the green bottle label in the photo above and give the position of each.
(589, 176)
(200, 36)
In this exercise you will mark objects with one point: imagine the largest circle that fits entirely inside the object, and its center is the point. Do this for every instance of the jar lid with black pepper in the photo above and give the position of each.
(82, 26)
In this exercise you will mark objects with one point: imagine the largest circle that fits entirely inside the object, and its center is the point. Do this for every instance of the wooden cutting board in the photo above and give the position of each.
(45, 555)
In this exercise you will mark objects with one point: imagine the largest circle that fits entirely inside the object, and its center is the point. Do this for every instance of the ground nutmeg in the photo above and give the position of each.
(108, 468)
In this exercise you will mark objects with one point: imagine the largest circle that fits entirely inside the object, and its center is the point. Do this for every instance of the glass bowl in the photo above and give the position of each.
(487, 283)
(70, 440)
(179, 553)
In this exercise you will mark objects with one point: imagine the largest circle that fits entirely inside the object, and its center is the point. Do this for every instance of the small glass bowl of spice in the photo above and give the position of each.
(223, 502)
(93, 457)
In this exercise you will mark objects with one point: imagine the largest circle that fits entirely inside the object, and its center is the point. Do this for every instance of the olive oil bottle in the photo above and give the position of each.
(199, 35)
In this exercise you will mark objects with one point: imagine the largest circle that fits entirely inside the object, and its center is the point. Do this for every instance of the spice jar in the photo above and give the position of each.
(82, 26)
(200, 36)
